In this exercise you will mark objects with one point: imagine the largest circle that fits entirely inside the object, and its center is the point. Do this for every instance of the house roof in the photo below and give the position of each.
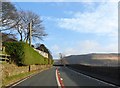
(7, 38)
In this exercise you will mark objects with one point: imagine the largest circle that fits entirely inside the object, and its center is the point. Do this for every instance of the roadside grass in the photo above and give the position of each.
(8, 80)
(23, 54)
(31, 56)
(12, 79)
(3, 62)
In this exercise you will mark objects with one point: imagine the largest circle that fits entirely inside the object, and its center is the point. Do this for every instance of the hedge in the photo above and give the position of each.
(32, 57)
(22, 54)
(15, 50)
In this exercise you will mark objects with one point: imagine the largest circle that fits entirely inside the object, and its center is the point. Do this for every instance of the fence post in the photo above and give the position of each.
(29, 68)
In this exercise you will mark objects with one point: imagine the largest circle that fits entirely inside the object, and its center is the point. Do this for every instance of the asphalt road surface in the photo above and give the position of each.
(45, 78)
(70, 78)
(73, 78)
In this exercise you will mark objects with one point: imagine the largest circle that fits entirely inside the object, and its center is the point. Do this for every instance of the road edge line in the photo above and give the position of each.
(25, 78)
(57, 78)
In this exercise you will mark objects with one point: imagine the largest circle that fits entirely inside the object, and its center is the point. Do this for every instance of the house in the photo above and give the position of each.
(44, 54)
(46, 51)
(7, 38)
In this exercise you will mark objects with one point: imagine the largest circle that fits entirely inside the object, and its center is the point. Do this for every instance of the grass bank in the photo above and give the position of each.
(23, 54)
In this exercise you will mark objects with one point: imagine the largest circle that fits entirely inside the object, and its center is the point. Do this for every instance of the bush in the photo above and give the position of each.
(22, 54)
(15, 50)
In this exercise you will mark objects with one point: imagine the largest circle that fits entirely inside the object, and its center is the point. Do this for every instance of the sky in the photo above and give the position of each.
(76, 28)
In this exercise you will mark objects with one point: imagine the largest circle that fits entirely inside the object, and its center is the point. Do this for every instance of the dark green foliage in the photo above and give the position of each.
(52, 61)
(46, 61)
(15, 50)
(22, 54)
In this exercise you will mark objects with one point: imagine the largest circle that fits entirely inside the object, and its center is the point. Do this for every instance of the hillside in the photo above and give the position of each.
(93, 59)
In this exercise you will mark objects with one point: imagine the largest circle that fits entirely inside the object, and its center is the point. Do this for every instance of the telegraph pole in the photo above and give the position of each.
(30, 36)
(60, 55)
(30, 33)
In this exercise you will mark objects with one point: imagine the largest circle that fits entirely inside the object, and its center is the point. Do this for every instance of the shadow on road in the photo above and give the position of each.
(81, 81)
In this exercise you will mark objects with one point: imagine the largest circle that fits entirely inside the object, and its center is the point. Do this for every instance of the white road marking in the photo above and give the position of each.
(61, 78)
(18, 82)
(92, 78)
(24, 79)
(57, 80)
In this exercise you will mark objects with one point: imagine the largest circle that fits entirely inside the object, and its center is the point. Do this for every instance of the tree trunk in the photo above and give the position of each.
(21, 37)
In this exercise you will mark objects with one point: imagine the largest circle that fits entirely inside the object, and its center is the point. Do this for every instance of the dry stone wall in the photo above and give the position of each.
(11, 69)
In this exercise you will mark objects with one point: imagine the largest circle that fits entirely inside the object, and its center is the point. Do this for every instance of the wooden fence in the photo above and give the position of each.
(4, 57)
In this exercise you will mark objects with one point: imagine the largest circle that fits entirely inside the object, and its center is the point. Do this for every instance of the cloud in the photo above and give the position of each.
(55, 48)
(84, 47)
(102, 21)
(90, 46)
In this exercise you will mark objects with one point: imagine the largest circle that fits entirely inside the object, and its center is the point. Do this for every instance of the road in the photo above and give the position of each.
(45, 78)
(73, 78)
(70, 78)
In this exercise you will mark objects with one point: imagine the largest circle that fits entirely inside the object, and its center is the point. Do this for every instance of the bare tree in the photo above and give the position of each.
(8, 16)
(13, 20)
(23, 27)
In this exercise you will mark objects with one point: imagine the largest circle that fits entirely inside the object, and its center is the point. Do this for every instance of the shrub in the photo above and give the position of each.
(22, 54)
(15, 50)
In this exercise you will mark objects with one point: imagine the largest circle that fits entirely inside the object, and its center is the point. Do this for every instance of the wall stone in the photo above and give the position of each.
(11, 69)
(1, 71)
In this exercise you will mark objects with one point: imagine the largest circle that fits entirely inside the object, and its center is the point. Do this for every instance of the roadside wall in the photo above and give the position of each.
(0, 75)
(11, 69)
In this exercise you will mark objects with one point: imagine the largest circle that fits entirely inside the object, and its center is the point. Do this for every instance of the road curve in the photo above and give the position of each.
(70, 79)
(45, 78)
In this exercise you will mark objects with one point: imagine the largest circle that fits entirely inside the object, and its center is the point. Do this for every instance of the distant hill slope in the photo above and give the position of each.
(93, 59)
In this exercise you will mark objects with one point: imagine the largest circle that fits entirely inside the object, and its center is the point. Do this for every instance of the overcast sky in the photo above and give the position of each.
(77, 27)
